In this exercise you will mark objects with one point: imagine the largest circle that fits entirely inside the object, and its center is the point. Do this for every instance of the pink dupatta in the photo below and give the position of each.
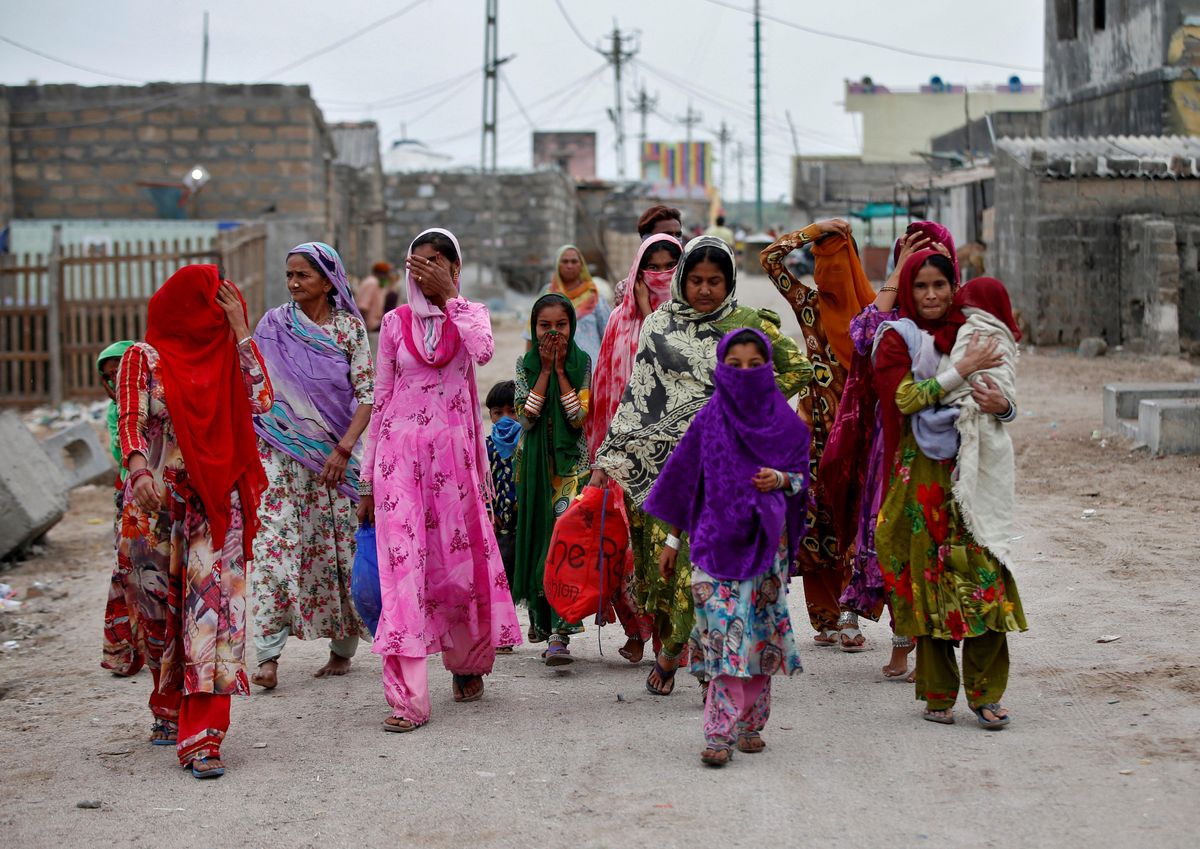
(614, 364)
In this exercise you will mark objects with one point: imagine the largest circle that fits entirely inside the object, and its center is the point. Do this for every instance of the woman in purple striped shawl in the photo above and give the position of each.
(316, 351)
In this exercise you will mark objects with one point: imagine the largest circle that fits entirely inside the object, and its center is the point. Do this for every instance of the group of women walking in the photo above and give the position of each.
(248, 471)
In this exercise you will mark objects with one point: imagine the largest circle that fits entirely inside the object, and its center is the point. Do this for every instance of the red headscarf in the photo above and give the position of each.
(936, 232)
(892, 361)
(206, 397)
(988, 294)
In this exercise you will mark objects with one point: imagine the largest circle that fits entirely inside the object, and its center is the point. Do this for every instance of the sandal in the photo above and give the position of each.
(848, 625)
(991, 724)
(213, 772)
(751, 742)
(168, 729)
(535, 636)
(826, 637)
(397, 727)
(557, 653)
(460, 682)
(666, 676)
(716, 756)
(936, 716)
(504, 649)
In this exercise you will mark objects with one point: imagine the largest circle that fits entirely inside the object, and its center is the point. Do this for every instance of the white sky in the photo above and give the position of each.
(427, 62)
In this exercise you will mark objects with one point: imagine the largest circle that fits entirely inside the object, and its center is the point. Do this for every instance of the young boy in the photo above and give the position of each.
(502, 449)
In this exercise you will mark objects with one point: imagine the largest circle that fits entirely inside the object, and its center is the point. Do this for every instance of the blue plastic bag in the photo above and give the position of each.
(364, 577)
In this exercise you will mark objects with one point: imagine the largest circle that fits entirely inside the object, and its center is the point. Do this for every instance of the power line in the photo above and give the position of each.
(513, 94)
(575, 29)
(878, 44)
(414, 96)
(68, 63)
(341, 41)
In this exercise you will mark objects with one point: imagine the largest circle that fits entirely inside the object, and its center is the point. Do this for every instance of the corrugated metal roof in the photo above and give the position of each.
(357, 144)
(1151, 157)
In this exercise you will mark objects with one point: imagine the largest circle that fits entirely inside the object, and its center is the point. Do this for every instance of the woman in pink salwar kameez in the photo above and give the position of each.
(425, 483)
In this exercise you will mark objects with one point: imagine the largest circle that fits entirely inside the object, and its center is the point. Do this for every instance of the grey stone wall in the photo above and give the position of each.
(1075, 260)
(79, 152)
(535, 215)
(1149, 285)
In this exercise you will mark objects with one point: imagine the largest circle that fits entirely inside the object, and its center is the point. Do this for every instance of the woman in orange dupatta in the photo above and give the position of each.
(824, 312)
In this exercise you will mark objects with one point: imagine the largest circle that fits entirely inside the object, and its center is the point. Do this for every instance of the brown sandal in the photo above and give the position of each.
(718, 756)
(751, 743)
(401, 724)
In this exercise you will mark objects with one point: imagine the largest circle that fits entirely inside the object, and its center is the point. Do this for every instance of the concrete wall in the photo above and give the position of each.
(975, 138)
(79, 152)
(1135, 76)
(896, 124)
(535, 216)
(1069, 265)
(1149, 285)
(827, 186)
(573, 152)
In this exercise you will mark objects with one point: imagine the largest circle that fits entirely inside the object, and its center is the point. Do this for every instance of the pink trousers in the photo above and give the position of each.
(735, 706)
(406, 679)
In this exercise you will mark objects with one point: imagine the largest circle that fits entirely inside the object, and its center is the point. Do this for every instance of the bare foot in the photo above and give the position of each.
(267, 675)
(897, 665)
(633, 649)
(336, 665)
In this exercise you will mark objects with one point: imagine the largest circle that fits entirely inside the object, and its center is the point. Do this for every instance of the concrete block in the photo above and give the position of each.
(1170, 426)
(80, 457)
(33, 493)
(1122, 400)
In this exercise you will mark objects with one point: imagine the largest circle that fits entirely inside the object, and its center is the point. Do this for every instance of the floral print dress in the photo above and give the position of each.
(743, 628)
(304, 551)
(191, 598)
(941, 583)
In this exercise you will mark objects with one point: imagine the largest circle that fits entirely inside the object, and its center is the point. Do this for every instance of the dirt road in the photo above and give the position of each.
(1103, 751)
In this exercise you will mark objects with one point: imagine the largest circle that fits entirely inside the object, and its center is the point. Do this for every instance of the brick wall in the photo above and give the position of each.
(535, 216)
(1149, 286)
(1061, 251)
(79, 152)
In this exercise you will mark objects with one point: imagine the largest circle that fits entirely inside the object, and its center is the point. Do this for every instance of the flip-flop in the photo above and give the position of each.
(825, 638)
(625, 653)
(991, 724)
(460, 683)
(167, 727)
(664, 675)
(745, 743)
(930, 716)
(216, 772)
(852, 633)
(401, 729)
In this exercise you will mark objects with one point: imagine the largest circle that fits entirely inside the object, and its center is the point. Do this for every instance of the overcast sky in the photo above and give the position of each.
(421, 70)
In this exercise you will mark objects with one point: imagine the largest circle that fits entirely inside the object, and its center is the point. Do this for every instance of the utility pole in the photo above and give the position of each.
(741, 161)
(724, 136)
(490, 85)
(204, 55)
(758, 163)
(689, 120)
(643, 104)
(617, 55)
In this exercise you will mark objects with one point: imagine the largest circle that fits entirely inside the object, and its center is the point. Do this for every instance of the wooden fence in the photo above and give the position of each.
(59, 311)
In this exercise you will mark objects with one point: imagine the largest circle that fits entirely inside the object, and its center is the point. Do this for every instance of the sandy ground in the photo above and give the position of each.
(1103, 751)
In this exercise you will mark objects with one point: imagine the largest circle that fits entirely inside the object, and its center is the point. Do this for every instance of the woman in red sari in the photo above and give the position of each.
(185, 398)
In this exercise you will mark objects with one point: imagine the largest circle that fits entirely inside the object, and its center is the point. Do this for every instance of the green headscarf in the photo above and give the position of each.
(550, 447)
(117, 350)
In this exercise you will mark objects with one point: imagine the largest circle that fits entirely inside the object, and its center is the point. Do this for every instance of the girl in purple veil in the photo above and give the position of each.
(735, 485)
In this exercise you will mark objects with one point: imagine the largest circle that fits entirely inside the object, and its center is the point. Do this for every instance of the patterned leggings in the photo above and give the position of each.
(735, 706)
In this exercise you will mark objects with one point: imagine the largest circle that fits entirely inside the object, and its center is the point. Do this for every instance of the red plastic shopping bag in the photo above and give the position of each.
(587, 557)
